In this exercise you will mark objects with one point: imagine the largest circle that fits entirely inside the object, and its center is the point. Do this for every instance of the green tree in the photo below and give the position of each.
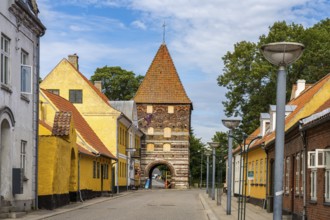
(251, 80)
(195, 158)
(118, 84)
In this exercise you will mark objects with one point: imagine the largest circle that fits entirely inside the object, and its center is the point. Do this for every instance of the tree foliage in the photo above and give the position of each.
(251, 80)
(118, 84)
(195, 157)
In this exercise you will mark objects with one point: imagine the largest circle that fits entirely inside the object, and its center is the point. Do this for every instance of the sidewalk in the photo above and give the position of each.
(216, 212)
(42, 214)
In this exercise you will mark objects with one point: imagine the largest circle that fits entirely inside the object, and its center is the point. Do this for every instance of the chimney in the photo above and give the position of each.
(98, 85)
(73, 59)
(301, 83)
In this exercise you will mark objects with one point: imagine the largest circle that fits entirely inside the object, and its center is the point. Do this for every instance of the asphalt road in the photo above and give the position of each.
(144, 205)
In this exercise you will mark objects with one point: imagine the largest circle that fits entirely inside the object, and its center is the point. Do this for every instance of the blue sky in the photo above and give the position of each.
(128, 33)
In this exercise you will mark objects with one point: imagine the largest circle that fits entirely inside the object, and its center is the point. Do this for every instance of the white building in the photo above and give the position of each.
(20, 30)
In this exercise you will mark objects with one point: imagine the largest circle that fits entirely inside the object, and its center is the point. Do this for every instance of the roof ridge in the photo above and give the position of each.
(98, 92)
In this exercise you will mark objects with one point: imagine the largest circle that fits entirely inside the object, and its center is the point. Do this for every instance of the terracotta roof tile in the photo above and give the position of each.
(80, 123)
(61, 125)
(162, 83)
(300, 102)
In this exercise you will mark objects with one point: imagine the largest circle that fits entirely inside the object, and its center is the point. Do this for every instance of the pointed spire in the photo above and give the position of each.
(162, 83)
(164, 26)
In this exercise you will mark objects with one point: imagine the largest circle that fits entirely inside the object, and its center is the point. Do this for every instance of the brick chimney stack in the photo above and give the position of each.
(98, 85)
(73, 59)
(301, 85)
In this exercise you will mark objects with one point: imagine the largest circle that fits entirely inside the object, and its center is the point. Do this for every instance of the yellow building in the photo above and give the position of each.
(57, 162)
(110, 125)
(94, 161)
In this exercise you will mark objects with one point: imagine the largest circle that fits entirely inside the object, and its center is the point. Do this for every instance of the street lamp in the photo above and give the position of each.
(231, 124)
(207, 154)
(280, 54)
(213, 145)
(201, 179)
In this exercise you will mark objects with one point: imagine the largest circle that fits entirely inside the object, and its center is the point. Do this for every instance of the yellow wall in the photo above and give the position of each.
(57, 166)
(258, 190)
(87, 179)
(100, 116)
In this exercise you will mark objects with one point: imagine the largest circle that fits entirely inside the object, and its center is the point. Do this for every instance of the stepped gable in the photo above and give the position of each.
(162, 83)
(80, 124)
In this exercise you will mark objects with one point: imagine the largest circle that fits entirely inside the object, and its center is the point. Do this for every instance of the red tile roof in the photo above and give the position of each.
(61, 125)
(299, 102)
(162, 83)
(47, 126)
(80, 123)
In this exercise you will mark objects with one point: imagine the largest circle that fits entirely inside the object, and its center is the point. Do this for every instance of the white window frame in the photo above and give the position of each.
(313, 181)
(302, 174)
(297, 173)
(5, 77)
(327, 185)
(311, 163)
(287, 175)
(23, 156)
(26, 79)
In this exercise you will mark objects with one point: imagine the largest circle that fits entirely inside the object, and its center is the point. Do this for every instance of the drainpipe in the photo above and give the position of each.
(117, 152)
(37, 117)
(303, 138)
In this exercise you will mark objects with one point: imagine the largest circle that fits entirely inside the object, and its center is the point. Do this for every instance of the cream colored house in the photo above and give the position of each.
(20, 32)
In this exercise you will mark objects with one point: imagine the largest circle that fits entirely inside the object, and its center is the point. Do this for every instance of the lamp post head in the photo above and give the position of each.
(207, 153)
(214, 144)
(282, 53)
(231, 123)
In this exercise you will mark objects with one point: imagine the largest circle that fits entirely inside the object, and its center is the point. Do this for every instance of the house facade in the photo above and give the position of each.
(94, 174)
(58, 162)
(164, 115)
(110, 125)
(20, 30)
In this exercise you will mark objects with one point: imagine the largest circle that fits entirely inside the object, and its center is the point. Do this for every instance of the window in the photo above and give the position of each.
(54, 91)
(313, 184)
(24, 57)
(150, 130)
(150, 147)
(167, 132)
(287, 176)
(252, 169)
(170, 109)
(26, 79)
(166, 147)
(149, 109)
(98, 170)
(4, 61)
(302, 159)
(327, 185)
(75, 95)
(261, 171)
(297, 173)
(23, 156)
(257, 170)
(94, 169)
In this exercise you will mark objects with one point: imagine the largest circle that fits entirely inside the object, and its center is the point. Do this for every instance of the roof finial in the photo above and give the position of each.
(164, 25)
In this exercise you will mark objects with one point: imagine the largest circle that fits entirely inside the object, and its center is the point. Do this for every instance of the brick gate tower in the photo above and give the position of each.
(164, 113)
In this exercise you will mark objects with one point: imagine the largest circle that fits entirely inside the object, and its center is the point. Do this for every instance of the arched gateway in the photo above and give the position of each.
(164, 113)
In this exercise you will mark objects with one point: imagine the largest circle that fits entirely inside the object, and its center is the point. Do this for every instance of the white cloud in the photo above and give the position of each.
(198, 34)
(139, 24)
